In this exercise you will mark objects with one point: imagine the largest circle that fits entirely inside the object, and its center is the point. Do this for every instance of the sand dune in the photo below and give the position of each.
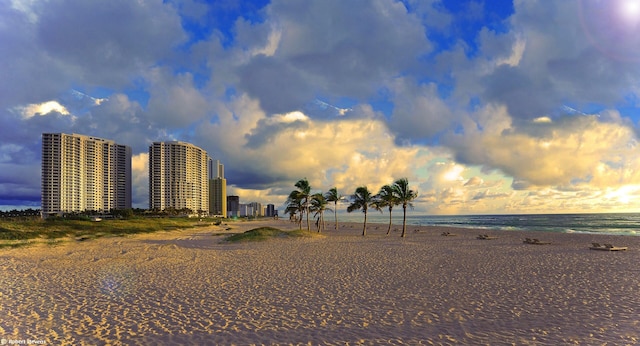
(185, 287)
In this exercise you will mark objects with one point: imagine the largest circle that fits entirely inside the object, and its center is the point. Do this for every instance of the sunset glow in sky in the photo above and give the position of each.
(485, 106)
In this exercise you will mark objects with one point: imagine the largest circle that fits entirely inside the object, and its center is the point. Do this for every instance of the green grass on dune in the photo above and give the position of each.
(61, 228)
(266, 233)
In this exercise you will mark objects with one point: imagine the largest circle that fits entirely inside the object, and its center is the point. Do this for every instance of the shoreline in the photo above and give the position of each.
(186, 287)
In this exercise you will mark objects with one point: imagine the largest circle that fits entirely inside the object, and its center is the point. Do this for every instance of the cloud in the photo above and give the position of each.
(41, 109)
(484, 112)
(549, 55)
(331, 55)
(140, 180)
(263, 152)
(419, 112)
(52, 46)
(571, 150)
(174, 100)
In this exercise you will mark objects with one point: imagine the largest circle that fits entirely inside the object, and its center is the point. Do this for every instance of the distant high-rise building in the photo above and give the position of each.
(83, 173)
(217, 189)
(271, 210)
(216, 169)
(178, 177)
(233, 206)
(256, 208)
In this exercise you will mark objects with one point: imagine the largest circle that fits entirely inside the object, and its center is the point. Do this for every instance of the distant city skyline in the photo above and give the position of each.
(487, 107)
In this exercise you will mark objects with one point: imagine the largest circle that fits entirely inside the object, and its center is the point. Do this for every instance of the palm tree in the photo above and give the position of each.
(333, 196)
(294, 206)
(362, 199)
(387, 198)
(319, 205)
(405, 196)
(304, 193)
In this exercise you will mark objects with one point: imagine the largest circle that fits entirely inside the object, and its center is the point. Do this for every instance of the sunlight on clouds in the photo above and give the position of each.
(140, 162)
(517, 52)
(573, 148)
(454, 173)
(624, 194)
(542, 120)
(42, 109)
(346, 153)
(272, 44)
(140, 179)
(288, 117)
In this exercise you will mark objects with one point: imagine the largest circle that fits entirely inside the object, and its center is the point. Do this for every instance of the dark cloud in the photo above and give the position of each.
(107, 42)
(264, 131)
(351, 53)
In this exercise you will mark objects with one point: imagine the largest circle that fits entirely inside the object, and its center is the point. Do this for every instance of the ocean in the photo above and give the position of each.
(610, 223)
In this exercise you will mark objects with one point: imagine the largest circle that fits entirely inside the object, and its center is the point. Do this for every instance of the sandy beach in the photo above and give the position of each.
(186, 287)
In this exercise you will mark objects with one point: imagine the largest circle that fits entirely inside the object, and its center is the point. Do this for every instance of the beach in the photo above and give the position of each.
(190, 287)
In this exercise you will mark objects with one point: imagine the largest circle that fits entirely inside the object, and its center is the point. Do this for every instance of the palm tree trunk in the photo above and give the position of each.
(404, 219)
(307, 207)
(335, 212)
(389, 229)
(364, 228)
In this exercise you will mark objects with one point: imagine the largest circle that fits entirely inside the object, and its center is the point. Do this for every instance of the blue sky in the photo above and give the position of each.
(486, 106)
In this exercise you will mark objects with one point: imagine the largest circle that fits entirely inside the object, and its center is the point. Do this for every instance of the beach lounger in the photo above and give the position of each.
(615, 248)
(485, 237)
(607, 247)
(535, 241)
(447, 234)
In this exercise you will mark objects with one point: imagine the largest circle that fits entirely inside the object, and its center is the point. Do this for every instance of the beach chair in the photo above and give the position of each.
(607, 247)
(615, 248)
(538, 242)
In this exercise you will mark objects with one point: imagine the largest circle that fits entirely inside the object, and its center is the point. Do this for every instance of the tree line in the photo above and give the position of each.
(301, 203)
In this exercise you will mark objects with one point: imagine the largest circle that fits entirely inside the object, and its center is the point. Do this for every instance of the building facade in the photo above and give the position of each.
(271, 210)
(82, 173)
(217, 189)
(233, 206)
(178, 177)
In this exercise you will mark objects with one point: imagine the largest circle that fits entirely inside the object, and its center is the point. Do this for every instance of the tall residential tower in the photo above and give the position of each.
(217, 189)
(82, 173)
(178, 177)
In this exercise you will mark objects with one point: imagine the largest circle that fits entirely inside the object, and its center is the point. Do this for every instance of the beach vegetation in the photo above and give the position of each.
(404, 197)
(319, 205)
(362, 199)
(266, 233)
(294, 208)
(389, 199)
(333, 196)
(304, 194)
(57, 228)
(298, 201)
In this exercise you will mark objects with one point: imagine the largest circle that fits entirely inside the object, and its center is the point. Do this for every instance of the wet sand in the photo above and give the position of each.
(186, 287)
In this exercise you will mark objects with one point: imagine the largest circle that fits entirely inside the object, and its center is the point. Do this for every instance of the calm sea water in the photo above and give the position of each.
(621, 224)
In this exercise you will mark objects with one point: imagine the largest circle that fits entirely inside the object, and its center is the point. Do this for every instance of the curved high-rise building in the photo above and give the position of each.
(178, 177)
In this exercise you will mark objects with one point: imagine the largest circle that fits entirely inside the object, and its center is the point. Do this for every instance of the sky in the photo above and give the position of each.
(487, 107)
